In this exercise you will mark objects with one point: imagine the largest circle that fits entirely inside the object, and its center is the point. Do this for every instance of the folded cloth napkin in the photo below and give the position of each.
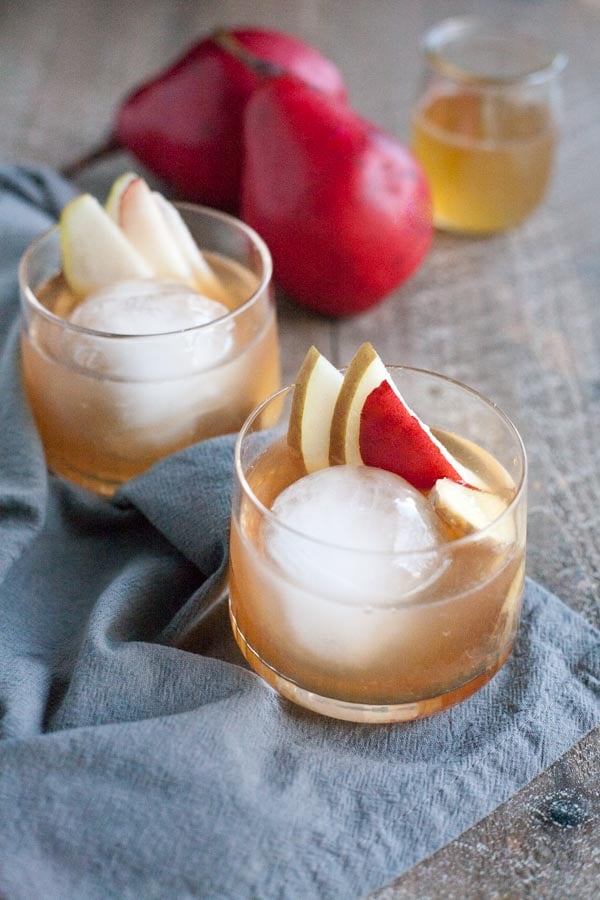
(131, 767)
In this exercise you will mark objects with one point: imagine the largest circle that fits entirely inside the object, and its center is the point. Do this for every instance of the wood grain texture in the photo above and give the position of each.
(543, 843)
(516, 316)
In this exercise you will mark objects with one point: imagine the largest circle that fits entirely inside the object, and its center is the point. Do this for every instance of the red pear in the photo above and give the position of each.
(185, 124)
(343, 206)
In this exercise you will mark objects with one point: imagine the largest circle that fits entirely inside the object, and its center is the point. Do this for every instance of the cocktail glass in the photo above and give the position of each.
(109, 405)
(373, 636)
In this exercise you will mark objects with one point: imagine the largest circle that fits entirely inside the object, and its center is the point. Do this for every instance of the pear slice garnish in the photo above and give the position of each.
(142, 222)
(467, 510)
(205, 280)
(113, 202)
(95, 252)
(363, 375)
(373, 425)
(315, 394)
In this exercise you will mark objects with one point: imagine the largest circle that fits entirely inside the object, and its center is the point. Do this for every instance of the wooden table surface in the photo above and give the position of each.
(516, 316)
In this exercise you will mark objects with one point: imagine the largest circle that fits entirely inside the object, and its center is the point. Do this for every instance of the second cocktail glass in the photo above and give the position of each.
(108, 405)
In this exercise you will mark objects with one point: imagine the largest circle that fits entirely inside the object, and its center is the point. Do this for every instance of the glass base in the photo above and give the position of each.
(451, 227)
(361, 712)
(91, 483)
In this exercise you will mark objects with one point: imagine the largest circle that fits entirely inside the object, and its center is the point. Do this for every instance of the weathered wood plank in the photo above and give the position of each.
(543, 843)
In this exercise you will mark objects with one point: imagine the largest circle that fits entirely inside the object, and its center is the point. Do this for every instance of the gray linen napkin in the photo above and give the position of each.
(130, 767)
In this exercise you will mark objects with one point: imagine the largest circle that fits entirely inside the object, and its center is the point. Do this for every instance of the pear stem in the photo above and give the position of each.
(111, 145)
(223, 39)
(226, 41)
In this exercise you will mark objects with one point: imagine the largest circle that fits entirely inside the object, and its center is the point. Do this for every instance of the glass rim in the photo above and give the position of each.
(466, 540)
(438, 36)
(265, 255)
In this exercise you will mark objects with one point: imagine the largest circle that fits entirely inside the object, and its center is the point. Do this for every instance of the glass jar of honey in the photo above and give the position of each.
(485, 125)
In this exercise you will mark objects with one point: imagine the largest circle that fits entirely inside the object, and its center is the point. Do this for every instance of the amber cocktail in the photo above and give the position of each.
(360, 597)
(133, 372)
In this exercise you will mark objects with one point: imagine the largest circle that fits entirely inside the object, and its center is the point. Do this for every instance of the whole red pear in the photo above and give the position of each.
(344, 207)
(185, 124)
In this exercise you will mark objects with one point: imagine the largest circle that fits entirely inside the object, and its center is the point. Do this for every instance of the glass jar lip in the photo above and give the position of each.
(475, 537)
(230, 316)
(443, 34)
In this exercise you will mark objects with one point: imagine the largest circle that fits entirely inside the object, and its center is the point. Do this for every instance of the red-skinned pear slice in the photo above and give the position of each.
(315, 393)
(467, 510)
(373, 425)
(95, 252)
(205, 279)
(392, 437)
(113, 202)
(143, 223)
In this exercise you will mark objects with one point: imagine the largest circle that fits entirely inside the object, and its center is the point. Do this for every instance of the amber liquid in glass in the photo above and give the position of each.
(426, 653)
(488, 158)
(100, 431)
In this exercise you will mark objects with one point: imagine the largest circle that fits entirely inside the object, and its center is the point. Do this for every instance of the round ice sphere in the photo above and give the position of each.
(168, 313)
(164, 374)
(365, 532)
(146, 307)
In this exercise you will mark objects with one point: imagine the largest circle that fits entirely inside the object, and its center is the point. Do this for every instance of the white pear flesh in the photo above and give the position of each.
(206, 281)
(143, 223)
(315, 394)
(113, 202)
(365, 373)
(95, 252)
(468, 510)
